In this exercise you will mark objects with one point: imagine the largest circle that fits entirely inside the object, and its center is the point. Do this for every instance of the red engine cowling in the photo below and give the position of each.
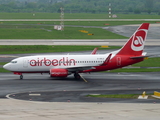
(58, 72)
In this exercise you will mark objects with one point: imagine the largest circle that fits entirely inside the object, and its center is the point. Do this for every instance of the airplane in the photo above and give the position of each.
(64, 65)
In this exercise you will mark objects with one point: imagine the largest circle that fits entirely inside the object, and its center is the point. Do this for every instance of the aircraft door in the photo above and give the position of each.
(25, 63)
(118, 61)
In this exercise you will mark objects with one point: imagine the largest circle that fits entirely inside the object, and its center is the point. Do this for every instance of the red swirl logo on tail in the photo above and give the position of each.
(138, 40)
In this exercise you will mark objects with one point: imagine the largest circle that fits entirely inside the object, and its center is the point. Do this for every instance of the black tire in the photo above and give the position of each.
(21, 77)
(77, 76)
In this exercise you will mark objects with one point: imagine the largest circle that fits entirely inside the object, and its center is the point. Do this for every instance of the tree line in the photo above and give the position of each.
(81, 6)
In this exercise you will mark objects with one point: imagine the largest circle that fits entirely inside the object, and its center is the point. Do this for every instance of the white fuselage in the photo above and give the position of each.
(46, 62)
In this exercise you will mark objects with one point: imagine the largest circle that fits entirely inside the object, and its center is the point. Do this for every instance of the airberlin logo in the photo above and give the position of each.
(138, 40)
(54, 62)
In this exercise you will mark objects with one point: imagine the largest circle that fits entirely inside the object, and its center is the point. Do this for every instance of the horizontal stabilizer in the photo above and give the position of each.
(138, 57)
(107, 60)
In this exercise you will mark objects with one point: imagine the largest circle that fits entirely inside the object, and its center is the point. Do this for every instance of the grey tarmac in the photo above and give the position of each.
(101, 42)
(65, 98)
(64, 89)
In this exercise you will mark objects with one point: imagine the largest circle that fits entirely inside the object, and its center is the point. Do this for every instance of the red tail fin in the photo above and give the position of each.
(135, 44)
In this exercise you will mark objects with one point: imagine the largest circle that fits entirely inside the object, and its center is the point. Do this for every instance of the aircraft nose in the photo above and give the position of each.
(6, 66)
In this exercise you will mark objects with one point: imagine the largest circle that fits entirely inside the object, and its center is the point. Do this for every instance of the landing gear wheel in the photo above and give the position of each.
(77, 76)
(21, 77)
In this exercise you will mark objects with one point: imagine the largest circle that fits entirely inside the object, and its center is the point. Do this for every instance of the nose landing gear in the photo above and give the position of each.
(21, 77)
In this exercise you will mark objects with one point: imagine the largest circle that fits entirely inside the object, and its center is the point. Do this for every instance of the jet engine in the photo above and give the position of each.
(58, 73)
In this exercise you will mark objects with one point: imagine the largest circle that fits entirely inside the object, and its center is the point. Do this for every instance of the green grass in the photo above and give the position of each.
(74, 16)
(17, 49)
(4, 71)
(126, 96)
(135, 70)
(151, 62)
(2, 63)
(44, 30)
(69, 33)
(105, 23)
(122, 96)
(25, 24)
(138, 16)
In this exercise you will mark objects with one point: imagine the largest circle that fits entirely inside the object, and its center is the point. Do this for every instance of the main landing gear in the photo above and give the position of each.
(77, 76)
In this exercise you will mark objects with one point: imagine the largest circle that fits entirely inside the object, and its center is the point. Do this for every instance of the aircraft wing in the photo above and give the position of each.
(81, 68)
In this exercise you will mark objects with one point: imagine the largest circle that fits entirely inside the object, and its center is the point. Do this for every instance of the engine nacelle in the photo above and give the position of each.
(58, 73)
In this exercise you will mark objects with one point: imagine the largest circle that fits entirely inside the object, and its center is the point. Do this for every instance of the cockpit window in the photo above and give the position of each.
(13, 61)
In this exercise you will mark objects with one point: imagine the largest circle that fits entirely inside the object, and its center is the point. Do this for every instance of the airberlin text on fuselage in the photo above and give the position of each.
(55, 62)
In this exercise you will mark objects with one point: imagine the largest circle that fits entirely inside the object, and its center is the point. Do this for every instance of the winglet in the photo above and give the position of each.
(107, 60)
(94, 51)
